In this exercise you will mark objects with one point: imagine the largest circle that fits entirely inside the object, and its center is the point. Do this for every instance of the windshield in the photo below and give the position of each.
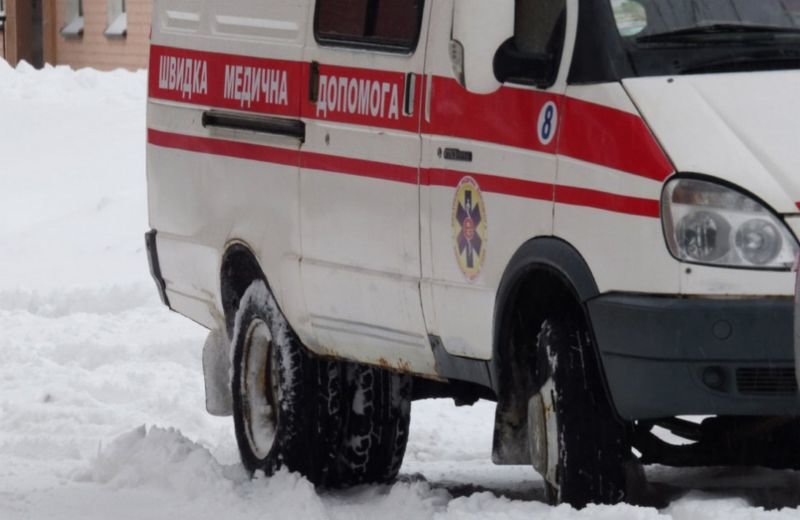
(643, 17)
(698, 36)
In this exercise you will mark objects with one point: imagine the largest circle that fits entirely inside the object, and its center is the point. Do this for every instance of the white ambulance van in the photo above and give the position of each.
(584, 210)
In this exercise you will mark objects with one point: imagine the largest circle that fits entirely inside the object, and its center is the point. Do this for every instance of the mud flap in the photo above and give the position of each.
(217, 374)
(543, 433)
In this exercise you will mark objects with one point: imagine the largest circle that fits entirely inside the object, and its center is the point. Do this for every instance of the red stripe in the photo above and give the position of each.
(339, 88)
(283, 156)
(587, 131)
(544, 191)
(608, 201)
(360, 167)
(611, 138)
(253, 152)
(407, 174)
(491, 183)
(165, 82)
(506, 117)
(339, 98)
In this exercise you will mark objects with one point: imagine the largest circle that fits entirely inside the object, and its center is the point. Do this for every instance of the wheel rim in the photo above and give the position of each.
(259, 389)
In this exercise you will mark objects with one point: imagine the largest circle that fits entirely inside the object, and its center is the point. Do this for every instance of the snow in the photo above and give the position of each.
(102, 410)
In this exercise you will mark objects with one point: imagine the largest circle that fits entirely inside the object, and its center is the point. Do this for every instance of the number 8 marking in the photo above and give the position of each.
(548, 122)
(547, 128)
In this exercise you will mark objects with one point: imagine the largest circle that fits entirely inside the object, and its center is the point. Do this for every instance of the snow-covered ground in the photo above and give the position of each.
(101, 395)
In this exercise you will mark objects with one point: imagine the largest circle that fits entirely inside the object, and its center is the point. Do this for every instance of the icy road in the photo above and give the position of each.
(101, 394)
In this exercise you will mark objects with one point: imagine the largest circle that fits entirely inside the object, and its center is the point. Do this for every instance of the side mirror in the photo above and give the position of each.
(479, 28)
(526, 68)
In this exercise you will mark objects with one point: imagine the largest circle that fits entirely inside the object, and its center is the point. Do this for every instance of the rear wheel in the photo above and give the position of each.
(576, 442)
(375, 427)
(287, 404)
(337, 423)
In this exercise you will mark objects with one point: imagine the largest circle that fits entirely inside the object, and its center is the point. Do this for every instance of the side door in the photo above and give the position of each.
(489, 163)
(360, 181)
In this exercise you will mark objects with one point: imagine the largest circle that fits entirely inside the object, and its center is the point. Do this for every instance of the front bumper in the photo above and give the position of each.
(664, 356)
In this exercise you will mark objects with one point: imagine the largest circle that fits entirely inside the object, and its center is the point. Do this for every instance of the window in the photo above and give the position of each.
(538, 27)
(74, 18)
(631, 16)
(652, 17)
(117, 19)
(392, 24)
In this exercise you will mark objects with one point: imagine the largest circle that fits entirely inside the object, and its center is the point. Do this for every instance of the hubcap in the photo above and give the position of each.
(258, 386)
(543, 433)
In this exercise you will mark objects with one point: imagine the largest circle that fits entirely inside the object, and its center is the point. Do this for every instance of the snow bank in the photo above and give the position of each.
(163, 459)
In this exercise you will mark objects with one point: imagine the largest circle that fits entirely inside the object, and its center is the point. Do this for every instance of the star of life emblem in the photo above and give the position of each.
(469, 227)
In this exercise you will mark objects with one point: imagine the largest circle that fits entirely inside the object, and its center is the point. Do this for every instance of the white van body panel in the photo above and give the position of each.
(732, 126)
(276, 28)
(359, 216)
(457, 307)
(193, 233)
(515, 177)
(605, 238)
(705, 128)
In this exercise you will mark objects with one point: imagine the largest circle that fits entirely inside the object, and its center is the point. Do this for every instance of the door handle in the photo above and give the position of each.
(313, 82)
(410, 94)
(255, 123)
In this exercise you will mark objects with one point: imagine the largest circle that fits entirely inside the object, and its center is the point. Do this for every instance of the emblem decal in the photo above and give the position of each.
(469, 227)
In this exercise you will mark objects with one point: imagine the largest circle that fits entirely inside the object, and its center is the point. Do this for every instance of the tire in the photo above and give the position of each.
(587, 446)
(338, 424)
(286, 403)
(375, 428)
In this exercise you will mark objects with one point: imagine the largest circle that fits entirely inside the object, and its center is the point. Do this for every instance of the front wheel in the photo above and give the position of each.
(576, 442)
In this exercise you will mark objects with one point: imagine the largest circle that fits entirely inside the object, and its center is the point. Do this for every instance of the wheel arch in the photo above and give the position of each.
(239, 268)
(545, 274)
(548, 260)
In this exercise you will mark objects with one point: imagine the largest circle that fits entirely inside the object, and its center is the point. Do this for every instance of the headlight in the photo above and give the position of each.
(707, 223)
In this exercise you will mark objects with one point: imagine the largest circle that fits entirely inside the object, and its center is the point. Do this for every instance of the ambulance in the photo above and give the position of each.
(586, 211)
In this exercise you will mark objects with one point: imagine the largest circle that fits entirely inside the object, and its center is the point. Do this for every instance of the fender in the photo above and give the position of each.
(239, 267)
(545, 255)
(544, 274)
(548, 254)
